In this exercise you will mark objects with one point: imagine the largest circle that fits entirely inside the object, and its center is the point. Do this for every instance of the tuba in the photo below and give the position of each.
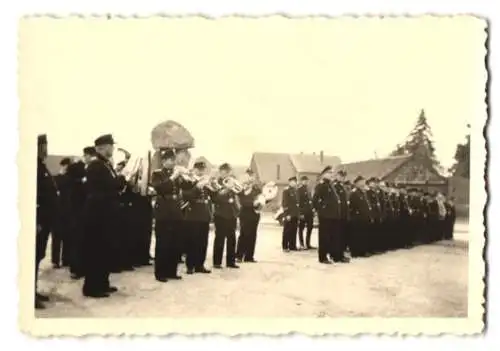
(136, 170)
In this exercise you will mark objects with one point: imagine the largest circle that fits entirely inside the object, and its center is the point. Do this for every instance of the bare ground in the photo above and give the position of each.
(427, 281)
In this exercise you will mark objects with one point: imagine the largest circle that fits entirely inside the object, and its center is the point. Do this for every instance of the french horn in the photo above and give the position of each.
(269, 192)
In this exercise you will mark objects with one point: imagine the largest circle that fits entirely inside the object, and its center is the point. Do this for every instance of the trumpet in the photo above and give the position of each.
(208, 182)
(184, 173)
(232, 184)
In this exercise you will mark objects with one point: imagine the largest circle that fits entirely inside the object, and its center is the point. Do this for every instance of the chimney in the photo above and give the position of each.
(321, 156)
(278, 172)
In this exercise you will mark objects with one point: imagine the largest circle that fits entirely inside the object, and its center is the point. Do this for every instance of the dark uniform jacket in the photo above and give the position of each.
(290, 202)
(200, 203)
(327, 201)
(226, 203)
(387, 206)
(247, 202)
(64, 184)
(359, 206)
(404, 206)
(77, 176)
(168, 198)
(344, 199)
(305, 201)
(47, 196)
(376, 207)
(103, 186)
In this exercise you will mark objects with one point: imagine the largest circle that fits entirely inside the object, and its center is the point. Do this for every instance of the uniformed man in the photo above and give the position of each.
(441, 217)
(168, 215)
(450, 218)
(60, 237)
(306, 219)
(249, 219)
(143, 229)
(291, 213)
(361, 216)
(77, 174)
(100, 218)
(226, 207)
(328, 203)
(197, 216)
(47, 206)
(374, 196)
(404, 226)
(341, 190)
(123, 243)
(384, 240)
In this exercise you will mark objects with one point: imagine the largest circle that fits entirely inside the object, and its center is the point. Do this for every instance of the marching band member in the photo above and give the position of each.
(101, 209)
(361, 218)
(225, 220)
(168, 217)
(197, 217)
(306, 219)
(47, 205)
(327, 203)
(372, 240)
(290, 205)
(340, 188)
(60, 236)
(450, 218)
(249, 220)
(77, 174)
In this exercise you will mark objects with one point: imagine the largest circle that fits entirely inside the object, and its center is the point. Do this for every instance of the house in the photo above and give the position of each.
(278, 167)
(408, 170)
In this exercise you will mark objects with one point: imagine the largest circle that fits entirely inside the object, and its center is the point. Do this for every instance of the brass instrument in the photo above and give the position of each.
(184, 173)
(207, 182)
(231, 183)
(136, 170)
(269, 192)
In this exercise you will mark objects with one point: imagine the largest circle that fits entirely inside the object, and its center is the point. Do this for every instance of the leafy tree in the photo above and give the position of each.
(461, 167)
(419, 142)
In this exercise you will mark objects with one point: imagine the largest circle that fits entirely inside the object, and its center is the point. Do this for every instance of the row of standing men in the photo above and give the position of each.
(363, 217)
(104, 224)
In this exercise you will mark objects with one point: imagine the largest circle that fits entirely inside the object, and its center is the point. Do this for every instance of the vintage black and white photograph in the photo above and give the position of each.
(310, 170)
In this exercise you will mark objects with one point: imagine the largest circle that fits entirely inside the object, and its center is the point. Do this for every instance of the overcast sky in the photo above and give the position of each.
(352, 88)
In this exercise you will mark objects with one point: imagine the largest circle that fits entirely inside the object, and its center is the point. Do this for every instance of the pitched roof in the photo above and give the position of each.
(267, 166)
(52, 162)
(379, 168)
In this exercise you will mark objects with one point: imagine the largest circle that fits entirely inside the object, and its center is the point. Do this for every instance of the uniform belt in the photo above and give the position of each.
(201, 201)
(170, 197)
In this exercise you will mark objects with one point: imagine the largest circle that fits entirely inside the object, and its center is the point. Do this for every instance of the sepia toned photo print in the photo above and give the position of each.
(252, 175)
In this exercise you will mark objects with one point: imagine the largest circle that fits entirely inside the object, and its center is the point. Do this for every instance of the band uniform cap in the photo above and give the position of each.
(200, 165)
(167, 154)
(304, 177)
(42, 139)
(371, 180)
(65, 161)
(89, 150)
(249, 172)
(326, 169)
(225, 167)
(342, 173)
(358, 178)
(106, 139)
(292, 179)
